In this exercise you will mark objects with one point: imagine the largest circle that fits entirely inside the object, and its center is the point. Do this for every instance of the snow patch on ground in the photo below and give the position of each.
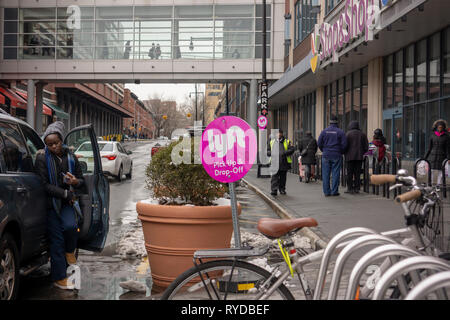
(131, 244)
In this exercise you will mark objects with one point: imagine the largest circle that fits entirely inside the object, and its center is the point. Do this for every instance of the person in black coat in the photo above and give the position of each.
(438, 148)
(309, 145)
(357, 146)
(53, 166)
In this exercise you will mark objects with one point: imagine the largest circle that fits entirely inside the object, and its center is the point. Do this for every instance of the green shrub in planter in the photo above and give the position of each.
(182, 183)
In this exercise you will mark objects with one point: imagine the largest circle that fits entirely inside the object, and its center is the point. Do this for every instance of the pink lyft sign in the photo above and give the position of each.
(262, 122)
(228, 149)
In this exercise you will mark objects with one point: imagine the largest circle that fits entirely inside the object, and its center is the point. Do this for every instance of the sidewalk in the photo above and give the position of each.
(333, 214)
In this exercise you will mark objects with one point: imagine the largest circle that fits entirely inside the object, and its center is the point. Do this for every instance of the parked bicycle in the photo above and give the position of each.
(228, 274)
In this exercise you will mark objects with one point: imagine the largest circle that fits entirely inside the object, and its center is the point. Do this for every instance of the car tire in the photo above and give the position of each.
(130, 174)
(119, 175)
(9, 268)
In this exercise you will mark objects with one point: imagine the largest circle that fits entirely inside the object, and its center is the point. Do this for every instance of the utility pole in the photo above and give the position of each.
(196, 102)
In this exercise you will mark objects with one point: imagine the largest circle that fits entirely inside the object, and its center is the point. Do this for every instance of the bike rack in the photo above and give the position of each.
(405, 266)
(387, 250)
(435, 282)
(444, 183)
(328, 252)
(371, 239)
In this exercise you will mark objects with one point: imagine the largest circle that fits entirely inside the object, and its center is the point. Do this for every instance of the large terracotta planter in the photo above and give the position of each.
(173, 233)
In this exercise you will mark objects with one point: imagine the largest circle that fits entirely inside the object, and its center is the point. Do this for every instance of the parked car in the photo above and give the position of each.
(23, 202)
(115, 158)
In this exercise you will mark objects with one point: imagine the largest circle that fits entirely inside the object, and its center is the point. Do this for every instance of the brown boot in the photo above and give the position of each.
(70, 258)
(64, 284)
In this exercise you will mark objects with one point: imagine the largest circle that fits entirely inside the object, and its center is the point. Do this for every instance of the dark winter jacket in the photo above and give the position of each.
(311, 144)
(59, 191)
(332, 142)
(284, 165)
(357, 143)
(438, 150)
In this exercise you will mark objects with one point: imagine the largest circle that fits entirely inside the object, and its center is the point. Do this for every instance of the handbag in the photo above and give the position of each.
(305, 151)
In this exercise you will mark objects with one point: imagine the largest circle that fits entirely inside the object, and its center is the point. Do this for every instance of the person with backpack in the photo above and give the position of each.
(357, 146)
(308, 149)
(278, 181)
(438, 148)
(61, 174)
(332, 142)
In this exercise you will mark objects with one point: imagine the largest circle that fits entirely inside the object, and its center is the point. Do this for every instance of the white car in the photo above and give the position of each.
(115, 159)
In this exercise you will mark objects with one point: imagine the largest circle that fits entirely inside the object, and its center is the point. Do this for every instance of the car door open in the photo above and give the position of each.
(94, 198)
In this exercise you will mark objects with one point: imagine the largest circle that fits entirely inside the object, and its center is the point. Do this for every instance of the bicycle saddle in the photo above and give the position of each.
(275, 228)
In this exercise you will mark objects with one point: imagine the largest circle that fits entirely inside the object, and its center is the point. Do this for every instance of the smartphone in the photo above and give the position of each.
(65, 178)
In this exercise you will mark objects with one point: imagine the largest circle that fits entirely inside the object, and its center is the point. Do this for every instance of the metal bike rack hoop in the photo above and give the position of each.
(435, 282)
(371, 239)
(329, 250)
(374, 254)
(405, 266)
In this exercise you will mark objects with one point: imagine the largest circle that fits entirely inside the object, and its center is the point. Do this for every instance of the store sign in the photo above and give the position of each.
(264, 99)
(228, 149)
(358, 17)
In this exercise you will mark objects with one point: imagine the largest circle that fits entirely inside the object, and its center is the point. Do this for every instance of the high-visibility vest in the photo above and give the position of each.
(286, 144)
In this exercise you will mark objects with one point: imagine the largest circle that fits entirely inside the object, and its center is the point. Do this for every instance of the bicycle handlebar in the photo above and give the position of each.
(382, 179)
(410, 195)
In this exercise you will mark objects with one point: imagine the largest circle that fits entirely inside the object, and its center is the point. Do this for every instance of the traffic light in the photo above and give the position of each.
(189, 115)
(164, 117)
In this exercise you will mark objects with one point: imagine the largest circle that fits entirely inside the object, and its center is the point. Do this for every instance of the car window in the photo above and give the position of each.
(119, 147)
(105, 146)
(32, 140)
(15, 153)
(2, 159)
(85, 147)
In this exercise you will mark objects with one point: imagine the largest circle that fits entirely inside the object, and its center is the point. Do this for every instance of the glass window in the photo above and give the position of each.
(11, 14)
(363, 116)
(153, 12)
(446, 109)
(86, 13)
(259, 10)
(33, 141)
(11, 27)
(435, 66)
(356, 95)
(114, 13)
(230, 11)
(446, 64)
(102, 146)
(193, 12)
(348, 99)
(388, 81)
(398, 92)
(15, 153)
(433, 115)
(408, 114)
(409, 75)
(38, 14)
(422, 129)
(340, 104)
(305, 18)
(421, 75)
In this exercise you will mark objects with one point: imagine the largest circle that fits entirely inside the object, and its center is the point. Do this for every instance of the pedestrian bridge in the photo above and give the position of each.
(149, 41)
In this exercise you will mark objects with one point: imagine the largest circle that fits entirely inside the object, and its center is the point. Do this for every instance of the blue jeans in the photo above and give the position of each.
(63, 237)
(331, 167)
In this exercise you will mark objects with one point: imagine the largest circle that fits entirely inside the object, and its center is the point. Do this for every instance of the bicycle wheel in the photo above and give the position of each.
(211, 280)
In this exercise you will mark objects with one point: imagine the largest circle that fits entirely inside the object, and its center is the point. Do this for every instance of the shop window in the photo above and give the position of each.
(446, 109)
(348, 99)
(446, 64)
(408, 150)
(340, 104)
(435, 66)
(364, 100)
(356, 95)
(409, 75)
(388, 81)
(398, 92)
(421, 74)
(422, 128)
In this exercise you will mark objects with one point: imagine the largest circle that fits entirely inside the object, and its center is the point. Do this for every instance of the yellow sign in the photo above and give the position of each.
(164, 117)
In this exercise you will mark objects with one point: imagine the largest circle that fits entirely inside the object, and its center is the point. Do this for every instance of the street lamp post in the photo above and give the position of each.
(197, 93)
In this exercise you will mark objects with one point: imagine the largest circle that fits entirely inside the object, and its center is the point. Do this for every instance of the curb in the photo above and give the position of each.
(284, 213)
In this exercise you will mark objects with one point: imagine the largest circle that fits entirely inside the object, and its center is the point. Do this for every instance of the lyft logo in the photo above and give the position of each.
(222, 143)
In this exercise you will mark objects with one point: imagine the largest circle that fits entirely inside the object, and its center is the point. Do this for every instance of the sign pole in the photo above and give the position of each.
(234, 214)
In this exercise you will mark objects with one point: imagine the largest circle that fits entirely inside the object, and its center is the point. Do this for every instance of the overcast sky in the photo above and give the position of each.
(178, 92)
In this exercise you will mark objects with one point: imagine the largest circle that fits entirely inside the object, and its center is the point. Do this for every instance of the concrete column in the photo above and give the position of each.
(290, 133)
(375, 96)
(320, 108)
(30, 103)
(39, 105)
(252, 104)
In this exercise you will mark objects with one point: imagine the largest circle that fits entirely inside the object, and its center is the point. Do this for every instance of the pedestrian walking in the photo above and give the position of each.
(438, 148)
(357, 146)
(278, 181)
(61, 173)
(308, 149)
(332, 142)
(379, 141)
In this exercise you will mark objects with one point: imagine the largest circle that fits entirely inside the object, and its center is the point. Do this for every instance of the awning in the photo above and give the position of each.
(58, 111)
(45, 109)
(16, 100)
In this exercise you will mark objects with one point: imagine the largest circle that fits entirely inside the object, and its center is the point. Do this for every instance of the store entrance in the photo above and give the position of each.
(393, 129)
